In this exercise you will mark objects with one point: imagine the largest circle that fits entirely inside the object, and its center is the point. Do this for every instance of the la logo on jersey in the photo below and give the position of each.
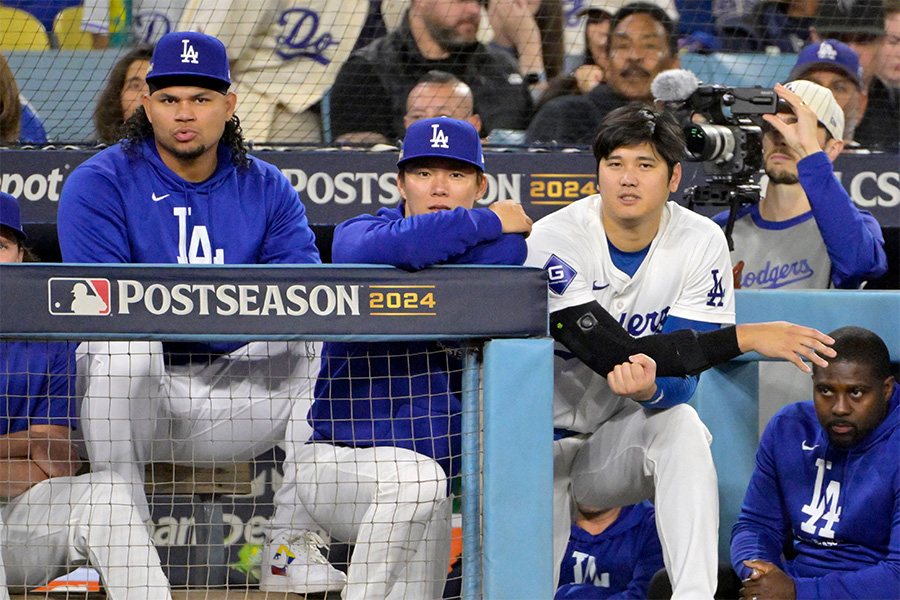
(716, 295)
(824, 505)
(585, 570)
(75, 296)
(189, 55)
(439, 139)
(197, 250)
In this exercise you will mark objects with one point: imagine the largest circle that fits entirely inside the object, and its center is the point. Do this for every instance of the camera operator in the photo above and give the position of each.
(805, 232)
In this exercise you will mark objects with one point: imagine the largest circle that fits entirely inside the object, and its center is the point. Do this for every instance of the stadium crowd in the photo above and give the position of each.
(641, 294)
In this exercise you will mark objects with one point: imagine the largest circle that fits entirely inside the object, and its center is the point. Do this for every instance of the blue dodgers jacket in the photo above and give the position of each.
(617, 563)
(840, 508)
(404, 394)
(129, 207)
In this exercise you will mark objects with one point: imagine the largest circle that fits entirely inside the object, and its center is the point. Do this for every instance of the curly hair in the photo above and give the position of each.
(138, 128)
(108, 115)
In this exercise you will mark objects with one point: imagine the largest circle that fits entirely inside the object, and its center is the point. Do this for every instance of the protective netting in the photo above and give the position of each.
(322, 72)
(277, 466)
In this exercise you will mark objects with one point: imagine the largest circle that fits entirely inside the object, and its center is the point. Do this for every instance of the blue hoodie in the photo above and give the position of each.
(129, 207)
(617, 563)
(840, 508)
(404, 394)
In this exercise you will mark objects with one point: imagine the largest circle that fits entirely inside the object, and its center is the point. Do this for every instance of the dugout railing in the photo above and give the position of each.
(498, 313)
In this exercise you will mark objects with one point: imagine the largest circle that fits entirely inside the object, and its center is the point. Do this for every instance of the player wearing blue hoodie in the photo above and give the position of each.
(387, 415)
(827, 480)
(181, 189)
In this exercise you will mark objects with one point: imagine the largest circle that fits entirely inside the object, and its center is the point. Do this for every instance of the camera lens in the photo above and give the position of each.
(706, 142)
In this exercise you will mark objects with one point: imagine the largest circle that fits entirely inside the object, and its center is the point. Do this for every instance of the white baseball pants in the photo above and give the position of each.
(136, 411)
(64, 521)
(637, 455)
(392, 503)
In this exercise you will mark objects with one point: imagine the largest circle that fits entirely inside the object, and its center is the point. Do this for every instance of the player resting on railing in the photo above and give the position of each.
(387, 415)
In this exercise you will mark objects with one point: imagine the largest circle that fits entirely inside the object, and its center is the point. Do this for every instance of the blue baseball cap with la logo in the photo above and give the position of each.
(829, 55)
(442, 137)
(189, 58)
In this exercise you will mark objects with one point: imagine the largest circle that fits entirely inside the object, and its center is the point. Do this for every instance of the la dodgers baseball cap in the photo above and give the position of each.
(822, 102)
(830, 55)
(189, 58)
(442, 137)
(10, 215)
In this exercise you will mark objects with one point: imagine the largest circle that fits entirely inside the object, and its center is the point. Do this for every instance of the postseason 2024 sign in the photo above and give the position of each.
(336, 186)
(194, 302)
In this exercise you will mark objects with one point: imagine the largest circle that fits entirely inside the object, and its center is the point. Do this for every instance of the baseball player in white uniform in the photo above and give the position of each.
(655, 267)
(285, 56)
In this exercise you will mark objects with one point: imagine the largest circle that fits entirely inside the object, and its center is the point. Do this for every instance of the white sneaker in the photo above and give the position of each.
(295, 564)
(81, 581)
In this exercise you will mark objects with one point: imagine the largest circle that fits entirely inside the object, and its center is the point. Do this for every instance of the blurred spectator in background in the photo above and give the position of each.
(834, 65)
(43, 10)
(368, 100)
(857, 23)
(774, 26)
(122, 94)
(641, 45)
(880, 128)
(440, 94)
(284, 57)
(147, 21)
(598, 18)
(19, 122)
(532, 31)
(612, 553)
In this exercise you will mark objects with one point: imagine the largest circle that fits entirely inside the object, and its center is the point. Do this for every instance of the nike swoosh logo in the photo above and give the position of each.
(158, 198)
(600, 287)
(805, 447)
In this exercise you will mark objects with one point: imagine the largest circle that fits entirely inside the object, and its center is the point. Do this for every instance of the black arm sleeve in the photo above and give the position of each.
(596, 338)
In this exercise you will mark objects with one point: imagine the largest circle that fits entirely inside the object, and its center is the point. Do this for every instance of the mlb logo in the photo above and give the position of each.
(75, 296)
